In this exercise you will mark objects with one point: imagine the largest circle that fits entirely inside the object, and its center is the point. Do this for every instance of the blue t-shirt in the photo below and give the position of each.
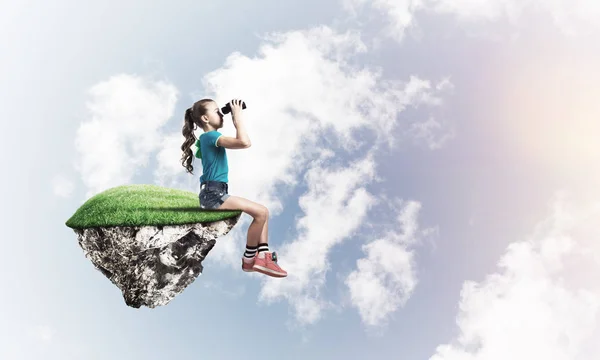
(214, 157)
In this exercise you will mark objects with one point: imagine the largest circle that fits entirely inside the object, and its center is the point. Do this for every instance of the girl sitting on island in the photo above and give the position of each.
(214, 194)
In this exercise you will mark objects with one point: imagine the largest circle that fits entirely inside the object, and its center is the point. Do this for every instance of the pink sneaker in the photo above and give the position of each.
(247, 266)
(267, 264)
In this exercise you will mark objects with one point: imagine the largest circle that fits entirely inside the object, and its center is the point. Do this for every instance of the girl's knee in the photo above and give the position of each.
(263, 213)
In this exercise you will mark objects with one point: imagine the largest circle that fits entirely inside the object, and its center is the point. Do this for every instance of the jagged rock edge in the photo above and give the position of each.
(151, 264)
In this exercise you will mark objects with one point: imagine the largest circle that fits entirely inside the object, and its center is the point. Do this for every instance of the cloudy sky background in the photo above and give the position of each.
(430, 167)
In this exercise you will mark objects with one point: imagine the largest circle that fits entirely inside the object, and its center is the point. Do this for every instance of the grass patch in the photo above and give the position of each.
(144, 205)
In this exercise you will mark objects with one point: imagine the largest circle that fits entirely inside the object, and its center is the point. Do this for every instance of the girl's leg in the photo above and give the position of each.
(264, 236)
(255, 231)
(259, 213)
(258, 232)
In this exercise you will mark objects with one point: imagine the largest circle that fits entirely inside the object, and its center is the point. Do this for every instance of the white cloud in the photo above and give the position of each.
(399, 14)
(305, 98)
(383, 280)
(168, 161)
(544, 301)
(572, 17)
(488, 10)
(62, 186)
(335, 206)
(386, 277)
(126, 116)
(431, 132)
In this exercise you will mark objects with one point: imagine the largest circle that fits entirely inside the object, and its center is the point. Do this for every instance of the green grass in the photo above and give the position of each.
(144, 205)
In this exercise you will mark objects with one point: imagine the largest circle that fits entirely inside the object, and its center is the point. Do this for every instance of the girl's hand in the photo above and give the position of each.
(236, 108)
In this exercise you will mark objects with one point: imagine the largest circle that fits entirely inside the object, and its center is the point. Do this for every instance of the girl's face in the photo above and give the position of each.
(213, 115)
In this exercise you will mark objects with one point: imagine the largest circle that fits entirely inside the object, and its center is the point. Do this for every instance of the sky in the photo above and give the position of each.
(431, 168)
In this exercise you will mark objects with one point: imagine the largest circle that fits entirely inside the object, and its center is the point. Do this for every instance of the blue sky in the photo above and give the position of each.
(430, 168)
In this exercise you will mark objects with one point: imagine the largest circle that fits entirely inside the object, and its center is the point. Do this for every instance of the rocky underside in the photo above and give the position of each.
(151, 264)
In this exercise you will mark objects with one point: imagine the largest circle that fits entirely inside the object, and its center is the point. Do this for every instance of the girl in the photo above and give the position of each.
(213, 182)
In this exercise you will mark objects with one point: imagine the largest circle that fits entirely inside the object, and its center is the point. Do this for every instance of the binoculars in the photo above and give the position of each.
(227, 108)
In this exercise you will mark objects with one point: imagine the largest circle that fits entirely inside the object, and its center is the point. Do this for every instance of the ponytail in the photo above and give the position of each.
(189, 125)
(190, 138)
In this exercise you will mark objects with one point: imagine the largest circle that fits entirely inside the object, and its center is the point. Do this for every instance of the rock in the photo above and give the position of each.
(151, 264)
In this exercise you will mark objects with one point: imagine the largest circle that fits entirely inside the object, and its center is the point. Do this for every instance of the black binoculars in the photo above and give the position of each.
(227, 108)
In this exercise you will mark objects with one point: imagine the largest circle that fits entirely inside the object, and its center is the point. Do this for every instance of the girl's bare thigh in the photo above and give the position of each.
(251, 208)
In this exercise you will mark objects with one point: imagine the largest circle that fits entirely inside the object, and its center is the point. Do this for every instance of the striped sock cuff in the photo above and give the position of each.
(250, 251)
(263, 247)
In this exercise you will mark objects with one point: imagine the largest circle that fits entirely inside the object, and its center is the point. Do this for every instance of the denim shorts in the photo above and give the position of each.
(212, 194)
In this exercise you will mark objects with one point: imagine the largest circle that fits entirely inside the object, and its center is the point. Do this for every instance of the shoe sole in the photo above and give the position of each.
(267, 271)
